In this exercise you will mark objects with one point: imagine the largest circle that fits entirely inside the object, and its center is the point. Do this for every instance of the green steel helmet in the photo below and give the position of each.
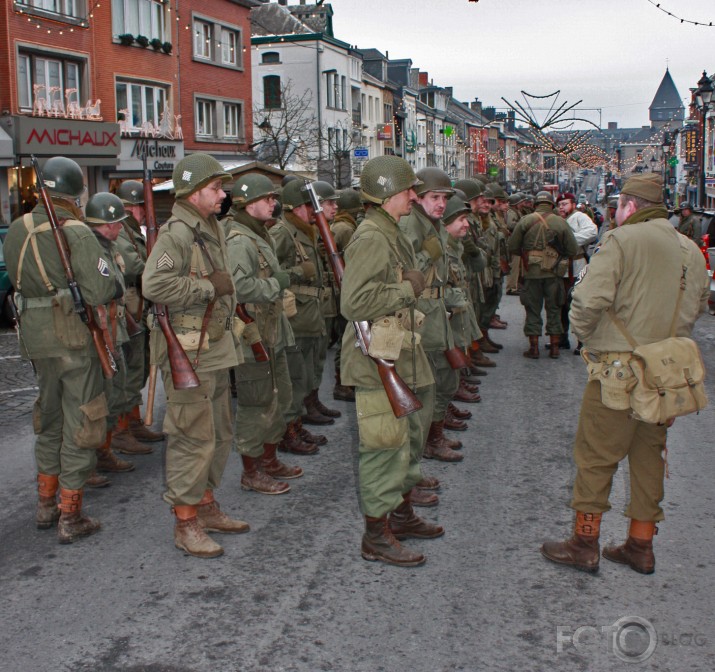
(349, 201)
(433, 179)
(686, 206)
(63, 177)
(456, 206)
(544, 197)
(251, 187)
(613, 202)
(385, 176)
(194, 172)
(496, 191)
(472, 188)
(131, 192)
(288, 178)
(294, 195)
(104, 208)
(325, 191)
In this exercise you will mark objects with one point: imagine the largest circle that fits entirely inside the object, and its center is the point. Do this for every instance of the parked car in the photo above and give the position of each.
(6, 289)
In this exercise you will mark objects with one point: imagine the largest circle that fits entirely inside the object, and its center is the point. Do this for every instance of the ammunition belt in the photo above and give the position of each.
(23, 302)
(432, 293)
(307, 290)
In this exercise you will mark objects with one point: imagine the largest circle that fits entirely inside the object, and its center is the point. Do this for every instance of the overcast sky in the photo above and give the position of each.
(611, 54)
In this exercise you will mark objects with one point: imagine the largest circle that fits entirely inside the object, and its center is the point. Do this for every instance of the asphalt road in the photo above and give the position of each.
(294, 593)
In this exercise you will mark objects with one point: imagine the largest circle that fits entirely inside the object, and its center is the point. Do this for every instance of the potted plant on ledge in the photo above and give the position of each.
(166, 47)
(156, 44)
(142, 40)
(127, 39)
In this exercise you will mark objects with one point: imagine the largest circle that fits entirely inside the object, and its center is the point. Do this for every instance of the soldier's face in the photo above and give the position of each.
(566, 207)
(502, 206)
(484, 205)
(329, 209)
(434, 203)
(400, 204)
(262, 209)
(624, 211)
(208, 200)
(459, 227)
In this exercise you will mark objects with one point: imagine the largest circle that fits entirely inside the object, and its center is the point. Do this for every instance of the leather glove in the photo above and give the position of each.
(433, 247)
(308, 268)
(222, 282)
(470, 248)
(283, 278)
(416, 279)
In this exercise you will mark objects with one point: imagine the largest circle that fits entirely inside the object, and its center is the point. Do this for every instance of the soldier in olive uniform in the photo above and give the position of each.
(424, 229)
(689, 225)
(513, 215)
(380, 279)
(296, 243)
(132, 247)
(535, 240)
(639, 278)
(70, 414)
(350, 208)
(188, 272)
(263, 389)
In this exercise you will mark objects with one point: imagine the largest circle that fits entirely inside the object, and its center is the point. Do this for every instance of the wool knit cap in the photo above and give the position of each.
(648, 186)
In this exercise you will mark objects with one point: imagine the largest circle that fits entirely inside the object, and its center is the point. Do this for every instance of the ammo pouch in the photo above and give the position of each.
(237, 329)
(190, 341)
(405, 319)
(669, 378)
(615, 376)
(386, 336)
(68, 327)
(289, 307)
(549, 259)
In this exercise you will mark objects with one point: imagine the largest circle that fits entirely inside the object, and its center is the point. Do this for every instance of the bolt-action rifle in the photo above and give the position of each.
(109, 366)
(402, 400)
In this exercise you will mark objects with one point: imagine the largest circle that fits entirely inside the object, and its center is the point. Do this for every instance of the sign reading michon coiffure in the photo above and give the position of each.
(65, 137)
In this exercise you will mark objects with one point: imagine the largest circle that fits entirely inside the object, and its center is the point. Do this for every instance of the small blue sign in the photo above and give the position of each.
(361, 152)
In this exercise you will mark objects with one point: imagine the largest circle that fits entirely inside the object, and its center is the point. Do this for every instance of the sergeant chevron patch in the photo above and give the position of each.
(165, 261)
(103, 267)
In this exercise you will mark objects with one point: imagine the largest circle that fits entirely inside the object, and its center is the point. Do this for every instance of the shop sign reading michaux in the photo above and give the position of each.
(50, 137)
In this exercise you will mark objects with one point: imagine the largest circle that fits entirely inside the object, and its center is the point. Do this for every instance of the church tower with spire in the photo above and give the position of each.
(667, 105)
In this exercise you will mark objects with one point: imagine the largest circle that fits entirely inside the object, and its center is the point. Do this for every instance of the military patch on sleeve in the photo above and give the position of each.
(164, 261)
(103, 267)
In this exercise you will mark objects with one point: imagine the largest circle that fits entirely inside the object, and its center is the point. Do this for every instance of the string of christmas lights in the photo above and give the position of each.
(708, 24)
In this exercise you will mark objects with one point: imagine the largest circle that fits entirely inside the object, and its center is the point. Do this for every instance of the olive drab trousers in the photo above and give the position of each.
(260, 407)
(537, 294)
(390, 448)
(302, 359)
(446, 383)
(604, 438)
(69, 417)
(199, 426)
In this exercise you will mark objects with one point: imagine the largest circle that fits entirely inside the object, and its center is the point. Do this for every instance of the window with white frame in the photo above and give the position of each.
(140, 105)
(232, 120)
(54, 82)
(140, 17)
(217, 42)
(56, 9)
(205, 113)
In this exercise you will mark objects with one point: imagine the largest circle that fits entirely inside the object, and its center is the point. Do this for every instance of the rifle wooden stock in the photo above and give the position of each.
(150, 396)
(259, 350)
(456, 358)
(133, 328)
(403, 400)
(183, 375)
(109, 366)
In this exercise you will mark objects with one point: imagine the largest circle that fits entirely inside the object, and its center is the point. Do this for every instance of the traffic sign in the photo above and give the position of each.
(361, 153)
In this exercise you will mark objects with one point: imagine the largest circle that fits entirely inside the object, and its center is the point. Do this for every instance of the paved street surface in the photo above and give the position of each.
(294, 593)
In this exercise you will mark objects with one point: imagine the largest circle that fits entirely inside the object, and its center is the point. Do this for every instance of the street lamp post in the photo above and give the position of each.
(703, 97)
(665, 147)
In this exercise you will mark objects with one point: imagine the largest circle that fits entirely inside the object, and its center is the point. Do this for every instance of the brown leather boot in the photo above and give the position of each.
(480, 359)
(259, 481)
(212, 519)
(581, 551)
(322, 408)
(428, 483)
(313, 415)
(48, 513)
(123, 441)
(533, 351)
(140, 431)
(308, 436)
(637, 552)
(452, 423)
(436, 447)
(342, 392)
(488, 339)
(271, 465)
(460, 413)
(423, 498)
(107, 461)
(378, 543)
(405, 523)
(486, 347)
(72, 524)
(190, 537)
(95, 481)
(292, 443)
(554, 340)
(465, 396)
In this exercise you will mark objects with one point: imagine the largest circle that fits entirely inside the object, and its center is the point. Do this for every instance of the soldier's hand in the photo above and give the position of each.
(416, 279)
(470, 247)
(222, 282)
(308, 269)
(433, 247)
(283, 278)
